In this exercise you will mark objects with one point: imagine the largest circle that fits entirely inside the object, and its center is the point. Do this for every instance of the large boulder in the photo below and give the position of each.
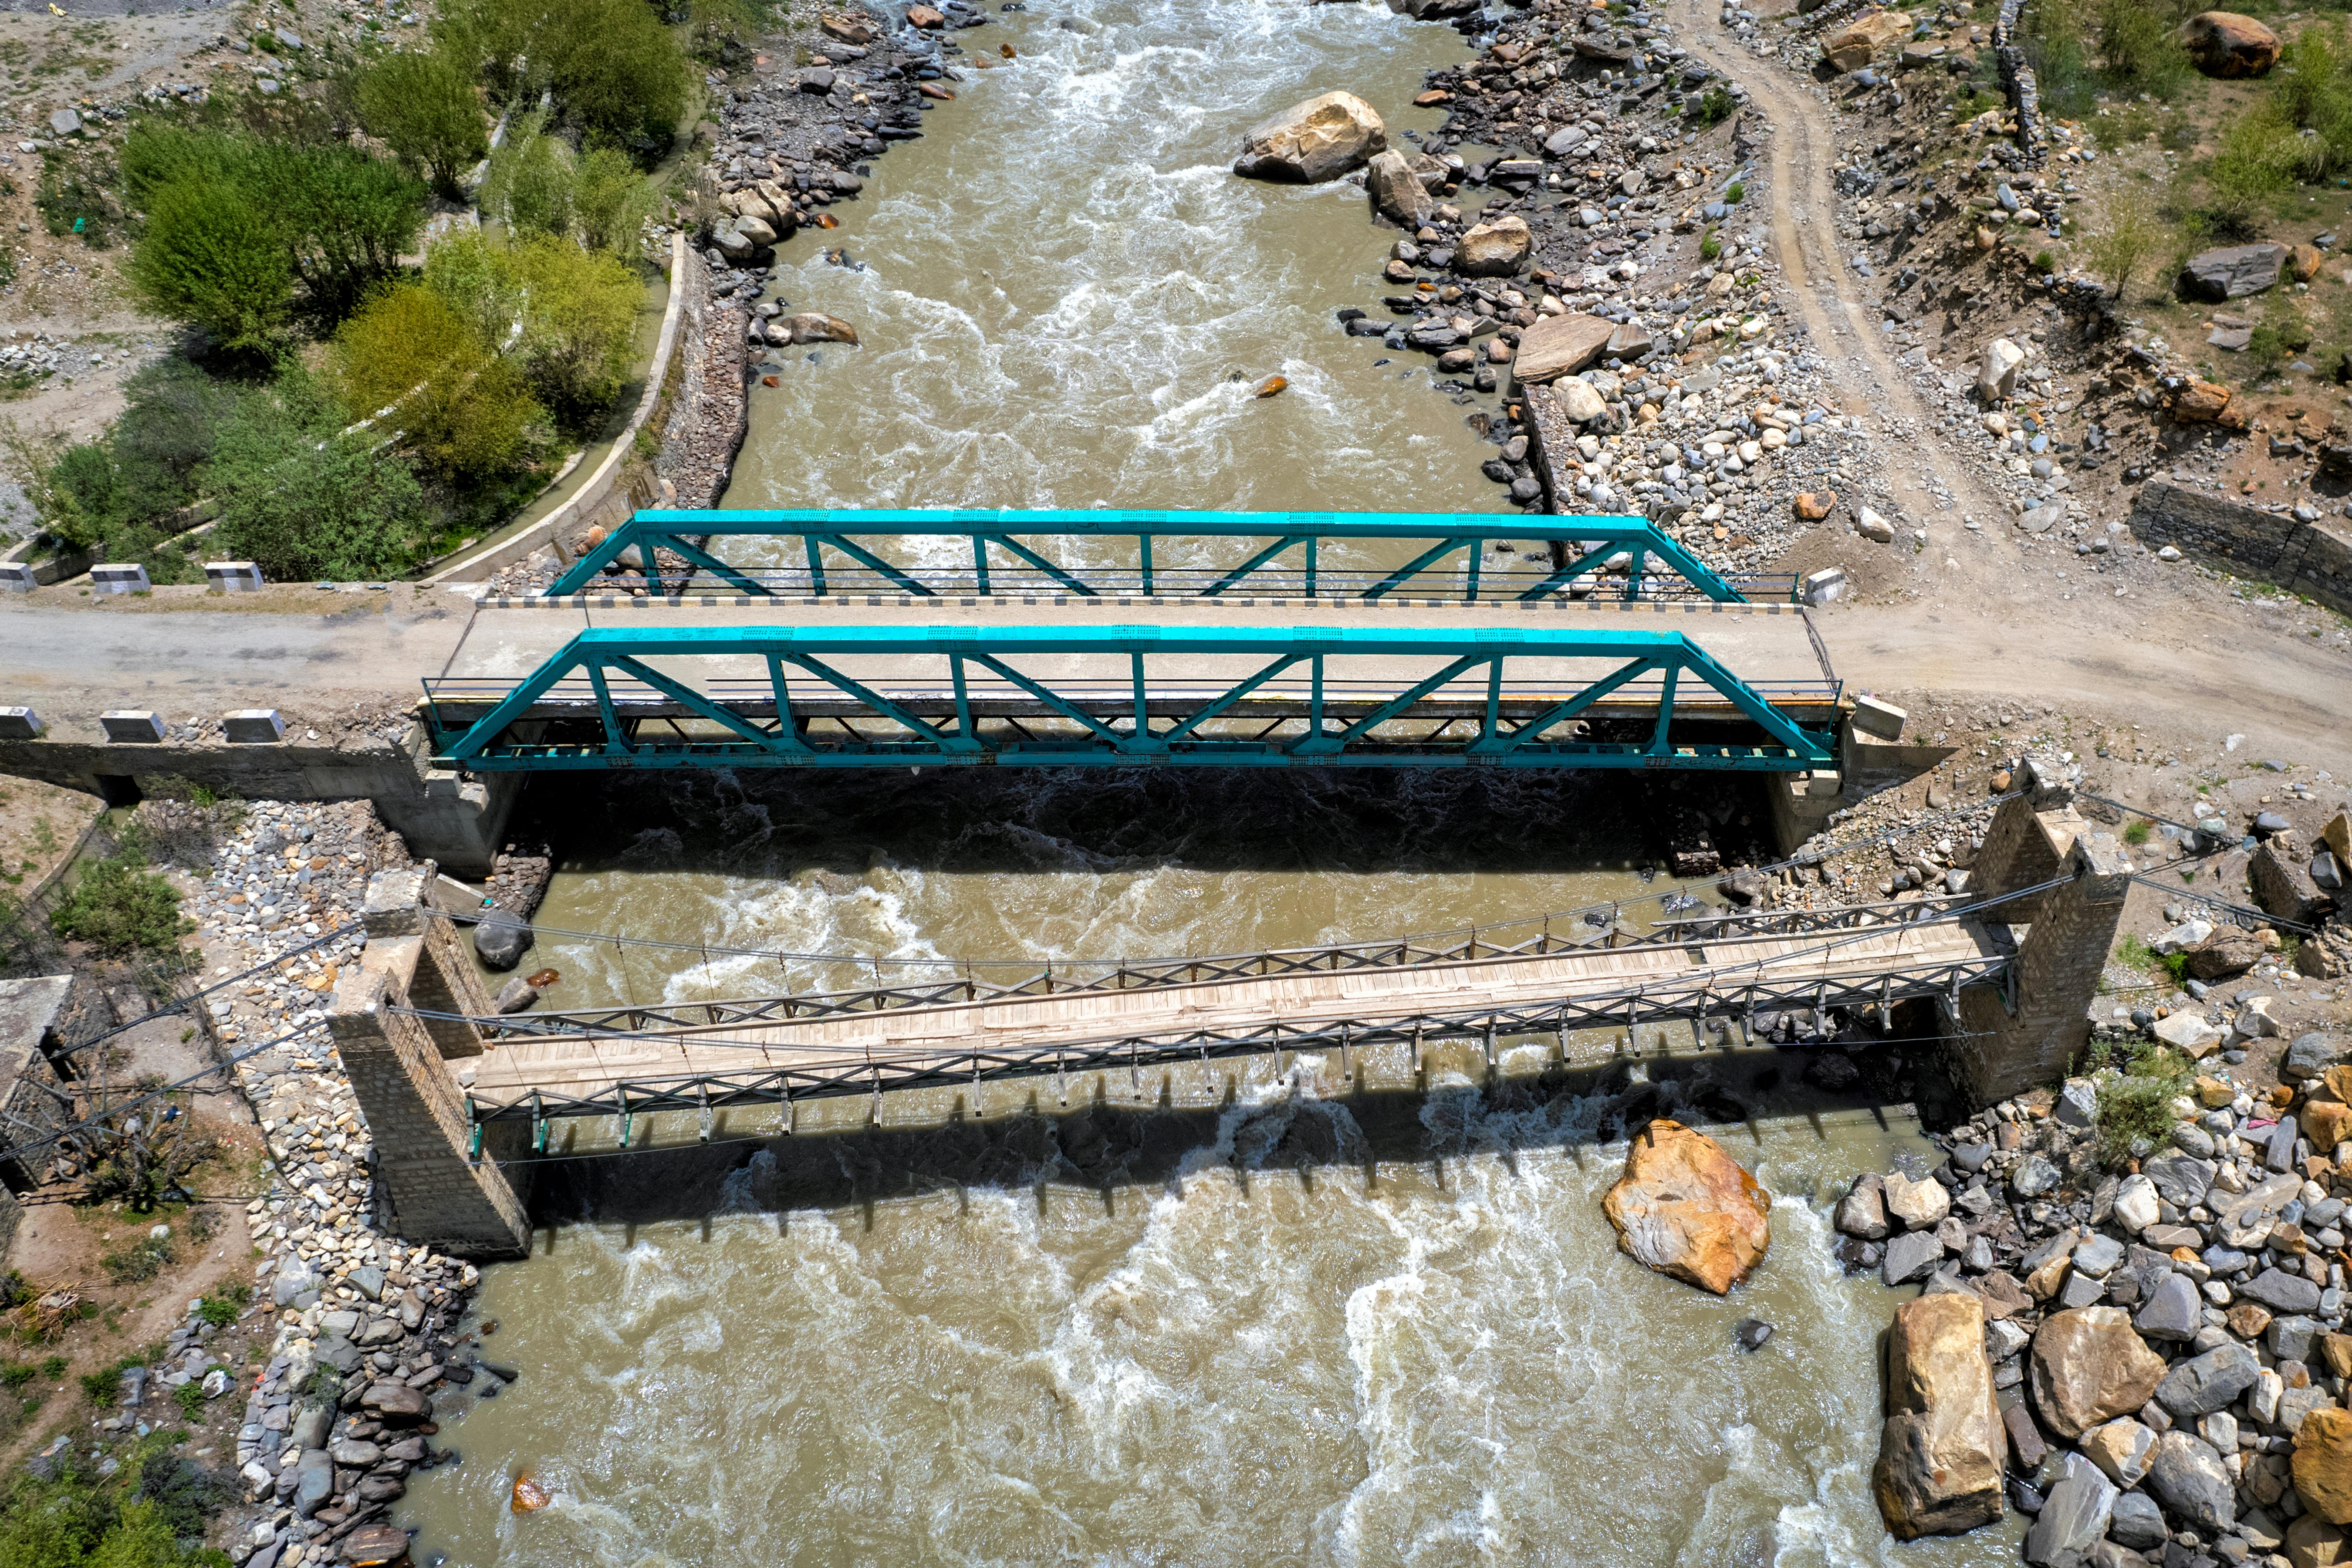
(2231, 950)
(1494, 249)
(2073, 1517)
(1431, 10)
(501, 938)
(2188, 1476)
(1559, 345)
(1942, 1450)
(2232, 272)
(1313, 142)
(2283, 884)
(1997, 370)
(1862, 1211)
(812, 327)
(2202, 1385)
(1921, 1204)
(2089, 1366)
(1396, 191)
(1850, 48)
(2312, 1542)
(2225, 44)
(2323, 1464)
(1686, 1208)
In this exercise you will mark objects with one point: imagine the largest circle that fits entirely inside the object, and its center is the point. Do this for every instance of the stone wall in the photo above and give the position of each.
(710, 411)
(2310, 558)
(29, 1014)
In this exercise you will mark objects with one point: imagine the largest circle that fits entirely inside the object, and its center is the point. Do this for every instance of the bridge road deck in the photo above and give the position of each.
(1016, 1035)
(1770, 647)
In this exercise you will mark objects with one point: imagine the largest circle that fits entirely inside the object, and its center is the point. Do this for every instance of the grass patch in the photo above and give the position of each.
(2136, 1105)
(142, 1259)
(2136, 834)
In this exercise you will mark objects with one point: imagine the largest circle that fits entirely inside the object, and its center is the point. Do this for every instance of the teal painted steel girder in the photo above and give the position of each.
(770, 729)
(850, 532)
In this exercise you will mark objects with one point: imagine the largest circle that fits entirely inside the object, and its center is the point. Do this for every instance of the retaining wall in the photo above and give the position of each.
(2311, 558)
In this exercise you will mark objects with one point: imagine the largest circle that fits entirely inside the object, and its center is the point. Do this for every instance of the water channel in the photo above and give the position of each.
(1240, 1315)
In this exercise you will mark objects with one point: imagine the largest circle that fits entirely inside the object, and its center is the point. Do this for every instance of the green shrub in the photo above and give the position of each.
(611, 201)
(141, 1259)
(424, 107)
(1713, 108)
(136, 1521)
(220, 1307)
(2139, 833)
(118, 905)
(575, 312)
(2136, 46)
(2051, 37)
(417, 366)
(15, 1375)
(303, 501)
(2135, 1106)
(2121, 245)
(75, 197)
(616, 73)
(2044, 261)
(1736, 193)
(2260, 156)
(190, 1397)
(1711, 246)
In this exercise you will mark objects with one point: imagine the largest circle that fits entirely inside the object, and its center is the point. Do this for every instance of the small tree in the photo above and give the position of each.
(423, 107)
(121, 907)
(301, 499)
(211, 256)
(415, 366)
(2122, 245)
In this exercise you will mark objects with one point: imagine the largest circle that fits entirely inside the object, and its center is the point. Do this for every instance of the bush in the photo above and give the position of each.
(571, 315)
(423, 107)
(102, 494)
(412, 364)
(190, 1397)
(2135, 1106)
(616, 73)
(118, 905)
(2121, 246)
(2136, 47)
(220, 1307)
(138, 1520)
(1737, 192)
(236, 226)
(301, 499)
(2139, 833)
(73, 196)
(2260, 156)
(142, 1259)
(1713, 107)
(1711, 246)
(2052, 36)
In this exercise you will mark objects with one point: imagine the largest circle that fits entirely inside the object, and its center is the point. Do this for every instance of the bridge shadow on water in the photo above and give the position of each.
(1001, 819)
(1122, 1151)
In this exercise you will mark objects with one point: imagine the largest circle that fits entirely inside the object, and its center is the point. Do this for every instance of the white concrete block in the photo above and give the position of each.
(118, 577)
(134, 724)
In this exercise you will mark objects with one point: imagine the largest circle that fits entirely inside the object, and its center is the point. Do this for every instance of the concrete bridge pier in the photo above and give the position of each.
(2062, 935)
(438, 1195)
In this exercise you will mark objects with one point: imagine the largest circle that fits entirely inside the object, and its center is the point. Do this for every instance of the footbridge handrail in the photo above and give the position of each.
(843, 552)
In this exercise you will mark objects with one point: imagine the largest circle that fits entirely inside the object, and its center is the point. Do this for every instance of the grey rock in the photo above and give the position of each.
(355, 1456)
(368, 1281)
(2137, 1522)
(2098, 1256)
(64, 122)
(314, 1482)
(2188, 1476)
(2173, 1310)
(2181, 1179)
(309, 1428)
(517, 995)
(295, 1286)
(2204, 1384)
(502, 938)
(2310, 1056)
(2282, 1292)
(2292, 1337)
(2074, 1516)
(1911, 1256)
(2192, 1139)
(2033, 1177)
(2232, 272)
(1862, 1211)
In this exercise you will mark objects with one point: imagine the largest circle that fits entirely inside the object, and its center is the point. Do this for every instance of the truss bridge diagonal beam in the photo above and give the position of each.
(1161, 553)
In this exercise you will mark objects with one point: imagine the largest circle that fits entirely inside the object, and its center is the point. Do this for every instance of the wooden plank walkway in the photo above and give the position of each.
(1006, 1035)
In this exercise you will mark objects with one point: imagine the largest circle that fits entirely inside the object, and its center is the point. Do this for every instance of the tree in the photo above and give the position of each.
(567, 317)
(615, 71)
(423, 108)
(2120, 247)
(119, 907)
(610, 200)
(211, 256)
(301, 499)
(350, 217)
(412, 364)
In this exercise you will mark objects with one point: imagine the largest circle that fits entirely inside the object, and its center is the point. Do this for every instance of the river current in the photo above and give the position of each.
(1248, 1314)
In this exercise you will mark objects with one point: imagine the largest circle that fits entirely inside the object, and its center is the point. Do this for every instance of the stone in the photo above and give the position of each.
(1997, 369)
(2138, 1523)
(1940, 1451)
(1751, 1333)
(1579, 401)
(296, 1286)
(1308, 143)
(1921, 1204)
(1873, 527)
(516, 996)
(2308, 1057)
(1396, 191)
(2225, 44)
(2304, 261)
(2312, 1542)
(368, 1281)
(2204, 1384)
(926, 18)
(2073, 1517)
(2200, 402)
(2188, 1474)
(2026, 1448)
(501, 938)
(2137, 1205)
(314, 1482)
(1862, 1211)
(2035, 1176)
(1812, 506)
(1911, 1256)
(2189, 1033)
(1559, 345)
(376, 1545)
(2323, 1464)
(2231, 950)
(1850, 48)
(395, 1404)
(2122, 1448)
(2232, 272)
(1494, 249)
(2183, 1178)
(812, 327)
(2284, 886)
(64, 122)
(2088, 1366)
(2326, 1122)
(2282, 1292)
(1687, 1209)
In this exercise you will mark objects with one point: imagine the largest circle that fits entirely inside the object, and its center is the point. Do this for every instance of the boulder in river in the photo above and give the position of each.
(1942, 1450)
(1686, 1208)
(501, 938)
(517, 995)
(1310, 143)
(1494, 249)
(814, 326)
(2225, 44)
(1396, 191)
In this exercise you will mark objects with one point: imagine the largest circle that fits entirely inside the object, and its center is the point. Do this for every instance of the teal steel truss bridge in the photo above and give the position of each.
(655, 696)
(1156, 554)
